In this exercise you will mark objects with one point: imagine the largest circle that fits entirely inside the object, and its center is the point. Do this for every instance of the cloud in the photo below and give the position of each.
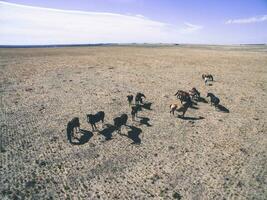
(190, 28)
(247, 20)
(29, 25)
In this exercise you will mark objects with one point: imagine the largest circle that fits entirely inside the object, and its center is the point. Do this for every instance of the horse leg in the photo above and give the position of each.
(72, 135)
(183, 114)
(69, 134)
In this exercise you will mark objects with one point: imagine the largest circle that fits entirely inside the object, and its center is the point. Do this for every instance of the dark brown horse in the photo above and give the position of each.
(73, 124)
(183, 96)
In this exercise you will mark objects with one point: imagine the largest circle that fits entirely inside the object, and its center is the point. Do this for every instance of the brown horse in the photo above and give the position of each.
(183, 96)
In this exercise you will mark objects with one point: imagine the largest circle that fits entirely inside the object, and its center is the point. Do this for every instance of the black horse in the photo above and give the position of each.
(139, 98)
(120, 121)
(130, 99)
(135, 110)
(93, 119)
(73, 124)
(195, 94)
(214, 101)
(207, 76)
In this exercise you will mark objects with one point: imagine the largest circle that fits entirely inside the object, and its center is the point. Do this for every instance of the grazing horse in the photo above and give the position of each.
(194, 93)
(214, 101)
(130, 99)
(73, 124)
(120, 121)
(93, 119)
(183, 96)
(139, 98)
(207, 77)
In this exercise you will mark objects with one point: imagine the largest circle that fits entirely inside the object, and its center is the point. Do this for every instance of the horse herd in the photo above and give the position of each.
(188, 97)
(73, 126)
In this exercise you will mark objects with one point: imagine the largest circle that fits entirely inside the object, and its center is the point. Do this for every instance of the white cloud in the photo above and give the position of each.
(34, 25)
(190, 28)
(247, 20)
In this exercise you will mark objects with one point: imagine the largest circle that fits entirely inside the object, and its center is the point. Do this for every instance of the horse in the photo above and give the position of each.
(135, 110)
(120, 121)
(214, 101)
(73, 124)
(139, 98)
(93, 119)
(207, 77)
(173, 108)
(130, 99)
(194, 93)
(183, 96)
(184, 108)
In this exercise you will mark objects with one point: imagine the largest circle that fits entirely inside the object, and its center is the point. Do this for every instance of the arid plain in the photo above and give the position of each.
(208, 155)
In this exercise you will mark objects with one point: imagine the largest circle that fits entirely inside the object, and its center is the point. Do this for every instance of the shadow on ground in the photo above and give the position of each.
(194, 107)
(86, 136)
(202, 100)
(144, 121)
(190, 118)
(133, 134)
(221, 108)
(107, 132)
(147, 105)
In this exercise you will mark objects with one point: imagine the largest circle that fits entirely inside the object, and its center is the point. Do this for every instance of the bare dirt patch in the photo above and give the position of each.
(208, 155)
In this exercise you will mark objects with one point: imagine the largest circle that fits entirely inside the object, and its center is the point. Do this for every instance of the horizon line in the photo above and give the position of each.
(124, 44)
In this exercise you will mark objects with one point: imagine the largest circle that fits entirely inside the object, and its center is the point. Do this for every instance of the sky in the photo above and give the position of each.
(42, 22)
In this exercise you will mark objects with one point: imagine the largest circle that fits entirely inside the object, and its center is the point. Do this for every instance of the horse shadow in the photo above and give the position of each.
(221, 108)
(133, 134)
(190, 118)
(194, 107)
(107, 132)
(202, 100)
(86, 136)
(145, 121)
(146, 105)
